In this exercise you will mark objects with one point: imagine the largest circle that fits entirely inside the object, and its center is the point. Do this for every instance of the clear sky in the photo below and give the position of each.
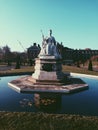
(74, 22)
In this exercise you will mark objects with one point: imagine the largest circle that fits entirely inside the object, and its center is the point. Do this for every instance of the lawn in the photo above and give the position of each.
(11, 71)
(75, 69)
(30, 70)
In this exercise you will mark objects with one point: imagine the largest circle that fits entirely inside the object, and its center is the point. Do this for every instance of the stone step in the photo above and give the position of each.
(45, 82)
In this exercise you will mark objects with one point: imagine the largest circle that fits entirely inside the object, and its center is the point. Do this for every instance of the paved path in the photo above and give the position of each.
(84, 75)
(5, 68)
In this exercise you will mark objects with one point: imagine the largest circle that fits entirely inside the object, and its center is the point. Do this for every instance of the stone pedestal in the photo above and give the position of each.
(48, 69)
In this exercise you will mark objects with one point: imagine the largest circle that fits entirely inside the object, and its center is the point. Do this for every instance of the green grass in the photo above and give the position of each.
(75, 69)
(26, 70)
(41, 121)
(30, 70)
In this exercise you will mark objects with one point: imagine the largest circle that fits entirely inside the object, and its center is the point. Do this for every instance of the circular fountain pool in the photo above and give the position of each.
(83, 103)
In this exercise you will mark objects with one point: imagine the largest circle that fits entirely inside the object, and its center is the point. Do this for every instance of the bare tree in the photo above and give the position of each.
(7, 55)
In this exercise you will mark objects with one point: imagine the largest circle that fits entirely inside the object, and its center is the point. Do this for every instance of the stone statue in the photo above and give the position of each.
(49, 46)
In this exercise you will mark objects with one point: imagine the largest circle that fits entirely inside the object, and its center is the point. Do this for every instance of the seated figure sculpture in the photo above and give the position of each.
(49, 46)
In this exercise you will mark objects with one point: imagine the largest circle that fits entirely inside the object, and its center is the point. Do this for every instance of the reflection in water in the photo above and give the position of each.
(45, 102)
(48, 102)
(26, 103)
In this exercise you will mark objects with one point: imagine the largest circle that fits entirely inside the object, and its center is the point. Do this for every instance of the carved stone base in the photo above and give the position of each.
(48, 68)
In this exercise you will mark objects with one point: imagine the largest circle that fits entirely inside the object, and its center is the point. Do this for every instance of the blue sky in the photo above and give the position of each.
(74, 22)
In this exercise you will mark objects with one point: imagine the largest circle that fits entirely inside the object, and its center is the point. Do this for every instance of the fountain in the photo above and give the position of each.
(48, 75)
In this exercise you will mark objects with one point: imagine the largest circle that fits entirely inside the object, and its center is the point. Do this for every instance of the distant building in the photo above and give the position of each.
(71, 56)
(33, 52)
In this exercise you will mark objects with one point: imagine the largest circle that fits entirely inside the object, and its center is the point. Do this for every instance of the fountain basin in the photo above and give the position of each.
(27, 84)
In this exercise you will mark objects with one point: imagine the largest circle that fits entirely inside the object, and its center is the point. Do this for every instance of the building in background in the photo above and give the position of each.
(32, 53)
(74, 56)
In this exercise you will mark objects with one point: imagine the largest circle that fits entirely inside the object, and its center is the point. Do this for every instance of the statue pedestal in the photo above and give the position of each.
(48, 68)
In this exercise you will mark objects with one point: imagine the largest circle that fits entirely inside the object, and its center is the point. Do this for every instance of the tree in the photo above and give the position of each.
(78, 64)
(90, 65)
(7, 54)
(17, 61)
(1, 55)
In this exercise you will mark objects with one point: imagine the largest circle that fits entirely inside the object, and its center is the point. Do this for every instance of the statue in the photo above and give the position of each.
(49, 46)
